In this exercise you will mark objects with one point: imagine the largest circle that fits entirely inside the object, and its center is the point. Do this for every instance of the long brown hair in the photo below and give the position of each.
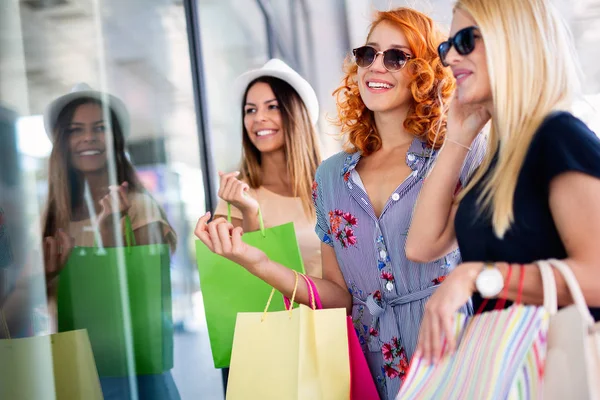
(65, 184)
(301, 144)
(431, 86)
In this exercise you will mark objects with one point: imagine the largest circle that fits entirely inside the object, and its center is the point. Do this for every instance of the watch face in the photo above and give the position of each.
(490, 282)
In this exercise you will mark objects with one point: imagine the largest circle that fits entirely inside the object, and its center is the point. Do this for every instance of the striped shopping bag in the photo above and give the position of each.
(500, 355)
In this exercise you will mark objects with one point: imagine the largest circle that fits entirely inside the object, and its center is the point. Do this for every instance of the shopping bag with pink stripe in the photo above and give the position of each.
(500, 355)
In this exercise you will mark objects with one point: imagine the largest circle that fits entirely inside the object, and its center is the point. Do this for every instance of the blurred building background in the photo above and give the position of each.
(173, 62)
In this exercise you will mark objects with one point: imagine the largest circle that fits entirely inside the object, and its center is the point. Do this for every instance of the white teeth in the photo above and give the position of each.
(379, 85)
(89, 153)
(265, 132)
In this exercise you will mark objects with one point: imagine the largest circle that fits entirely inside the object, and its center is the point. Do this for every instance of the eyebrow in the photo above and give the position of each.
(81, 123)
(393, 46)
(268, 101)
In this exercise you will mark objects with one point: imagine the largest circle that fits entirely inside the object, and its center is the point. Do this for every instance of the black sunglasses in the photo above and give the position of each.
(463, 42)
(393, 59)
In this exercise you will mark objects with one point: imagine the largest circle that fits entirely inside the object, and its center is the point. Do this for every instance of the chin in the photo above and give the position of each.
(90, 169)
(378, 106)
(472, 96)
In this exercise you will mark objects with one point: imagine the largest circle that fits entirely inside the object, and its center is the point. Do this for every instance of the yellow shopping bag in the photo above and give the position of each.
(54, 367)
(299, 354)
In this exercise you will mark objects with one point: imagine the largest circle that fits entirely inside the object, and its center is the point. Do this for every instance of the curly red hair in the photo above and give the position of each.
(431, 86)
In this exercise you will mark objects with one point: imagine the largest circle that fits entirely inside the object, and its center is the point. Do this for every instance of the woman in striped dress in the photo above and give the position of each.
(391, 112)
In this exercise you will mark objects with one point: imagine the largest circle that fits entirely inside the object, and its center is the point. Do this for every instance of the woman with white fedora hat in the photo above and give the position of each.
(87, 129)
(280, 156)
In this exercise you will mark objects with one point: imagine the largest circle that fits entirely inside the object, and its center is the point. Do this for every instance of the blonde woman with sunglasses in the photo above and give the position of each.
(535, 196)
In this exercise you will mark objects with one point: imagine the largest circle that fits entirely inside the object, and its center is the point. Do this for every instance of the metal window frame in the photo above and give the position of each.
(192, 19)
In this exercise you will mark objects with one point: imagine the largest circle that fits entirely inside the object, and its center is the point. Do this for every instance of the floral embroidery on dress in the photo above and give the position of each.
(438, 280)
(349, 164)
(315, 186)
(384, 264)
(395, 359)
(341, 227)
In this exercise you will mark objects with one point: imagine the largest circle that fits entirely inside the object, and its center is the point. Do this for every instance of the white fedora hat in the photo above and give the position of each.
(83, 90)
(278, 69)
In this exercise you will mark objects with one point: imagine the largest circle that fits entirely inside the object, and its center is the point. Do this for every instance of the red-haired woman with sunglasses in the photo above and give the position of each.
(391, 112)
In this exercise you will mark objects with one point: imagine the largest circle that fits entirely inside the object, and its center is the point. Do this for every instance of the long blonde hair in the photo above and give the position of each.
(532, 66)
(301, 144)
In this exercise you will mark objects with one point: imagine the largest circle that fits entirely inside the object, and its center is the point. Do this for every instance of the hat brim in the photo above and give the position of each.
(300, 85)
(54, 109)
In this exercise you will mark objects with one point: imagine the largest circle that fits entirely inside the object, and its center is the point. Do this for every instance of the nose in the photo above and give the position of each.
(453, 58)
(89, 134)
(260, 115)
(377, 65)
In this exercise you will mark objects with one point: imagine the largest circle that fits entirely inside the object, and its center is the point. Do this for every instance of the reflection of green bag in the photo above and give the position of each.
(122, 296)
(228, 288)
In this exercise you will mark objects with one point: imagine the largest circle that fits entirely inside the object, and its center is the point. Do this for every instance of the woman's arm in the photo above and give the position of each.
(224, 239)
(431, 234)
(576, 213)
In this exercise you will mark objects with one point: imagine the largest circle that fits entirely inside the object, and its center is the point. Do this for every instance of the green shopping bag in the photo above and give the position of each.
(122, 296)
(227, 288)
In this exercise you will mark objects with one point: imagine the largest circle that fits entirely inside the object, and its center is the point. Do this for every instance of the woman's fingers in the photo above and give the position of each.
(201, 231)
(225, 184)
(65, 245)
(214, 235)
(224, 232)
(123, 196)
(435, 338)
(448, 330)
(50, 255)
(236, 240)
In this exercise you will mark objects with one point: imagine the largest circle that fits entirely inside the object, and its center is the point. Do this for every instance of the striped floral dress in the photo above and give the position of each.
(389, 291)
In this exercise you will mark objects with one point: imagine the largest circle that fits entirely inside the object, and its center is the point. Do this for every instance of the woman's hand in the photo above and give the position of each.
(438, 320)
(118, 196)
(57, 250)
(222, 238)
(235, 192)
(465, 121)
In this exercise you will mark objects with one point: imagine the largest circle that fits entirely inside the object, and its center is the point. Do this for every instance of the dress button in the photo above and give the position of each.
(382, 254)
(349, 185)
(411, 157)
(395, 197)
(389, 286)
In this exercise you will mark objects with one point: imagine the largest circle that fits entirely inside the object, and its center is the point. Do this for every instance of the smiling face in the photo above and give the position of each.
(380, 89)
(470, 71)
(262, 118)
(86, 139)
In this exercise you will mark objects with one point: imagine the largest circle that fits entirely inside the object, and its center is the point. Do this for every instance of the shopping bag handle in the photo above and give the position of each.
(260, 219)
(548, 286)
(574, 288)
(313, 295)
(129, 235)
(290, 308)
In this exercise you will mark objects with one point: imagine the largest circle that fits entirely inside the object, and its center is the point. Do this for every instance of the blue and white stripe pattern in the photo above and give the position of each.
(389, 291)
